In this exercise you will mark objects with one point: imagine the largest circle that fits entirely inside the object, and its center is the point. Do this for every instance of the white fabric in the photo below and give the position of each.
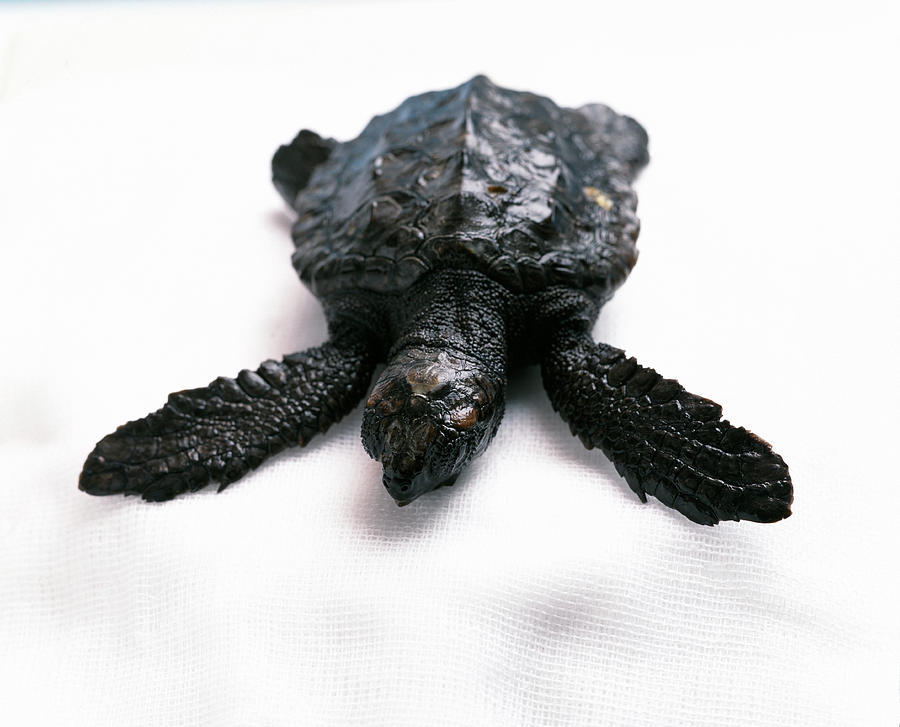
(145, 251)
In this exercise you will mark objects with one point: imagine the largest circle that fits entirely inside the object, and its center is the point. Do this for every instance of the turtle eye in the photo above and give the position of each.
(464, 417)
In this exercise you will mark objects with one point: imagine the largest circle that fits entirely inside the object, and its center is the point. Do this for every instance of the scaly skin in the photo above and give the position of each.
(663, 440)
(218, 433)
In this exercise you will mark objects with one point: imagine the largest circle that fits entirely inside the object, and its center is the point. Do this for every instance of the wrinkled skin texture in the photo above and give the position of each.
(465, 233)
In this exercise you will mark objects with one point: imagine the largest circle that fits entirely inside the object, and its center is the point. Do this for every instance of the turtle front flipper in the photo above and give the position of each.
(663, 440)
(220, 432)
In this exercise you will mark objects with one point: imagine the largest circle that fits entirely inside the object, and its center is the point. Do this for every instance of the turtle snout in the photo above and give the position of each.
(402, 489)
(404, 456)
(405, 488)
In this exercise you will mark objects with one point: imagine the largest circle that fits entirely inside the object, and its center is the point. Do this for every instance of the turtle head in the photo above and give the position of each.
(430, 413)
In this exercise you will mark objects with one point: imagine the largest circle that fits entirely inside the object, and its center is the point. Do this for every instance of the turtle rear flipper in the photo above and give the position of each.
(293, 163)
(220, 432)
(663, 440)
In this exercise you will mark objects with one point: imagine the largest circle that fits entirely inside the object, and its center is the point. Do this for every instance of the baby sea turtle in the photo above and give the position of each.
(462, 234)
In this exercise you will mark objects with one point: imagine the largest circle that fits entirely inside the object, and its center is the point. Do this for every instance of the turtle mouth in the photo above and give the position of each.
(404, 490)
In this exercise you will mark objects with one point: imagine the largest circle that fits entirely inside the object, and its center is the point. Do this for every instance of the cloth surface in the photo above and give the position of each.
(145, 251)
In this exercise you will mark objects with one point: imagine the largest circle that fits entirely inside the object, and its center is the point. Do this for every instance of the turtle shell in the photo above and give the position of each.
(476, 177)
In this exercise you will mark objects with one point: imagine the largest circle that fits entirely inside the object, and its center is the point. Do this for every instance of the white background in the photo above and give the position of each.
(144, 251)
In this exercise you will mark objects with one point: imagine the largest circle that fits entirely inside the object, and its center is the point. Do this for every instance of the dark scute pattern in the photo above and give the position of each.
(663, 440)
(476, 177)
(220, 432)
